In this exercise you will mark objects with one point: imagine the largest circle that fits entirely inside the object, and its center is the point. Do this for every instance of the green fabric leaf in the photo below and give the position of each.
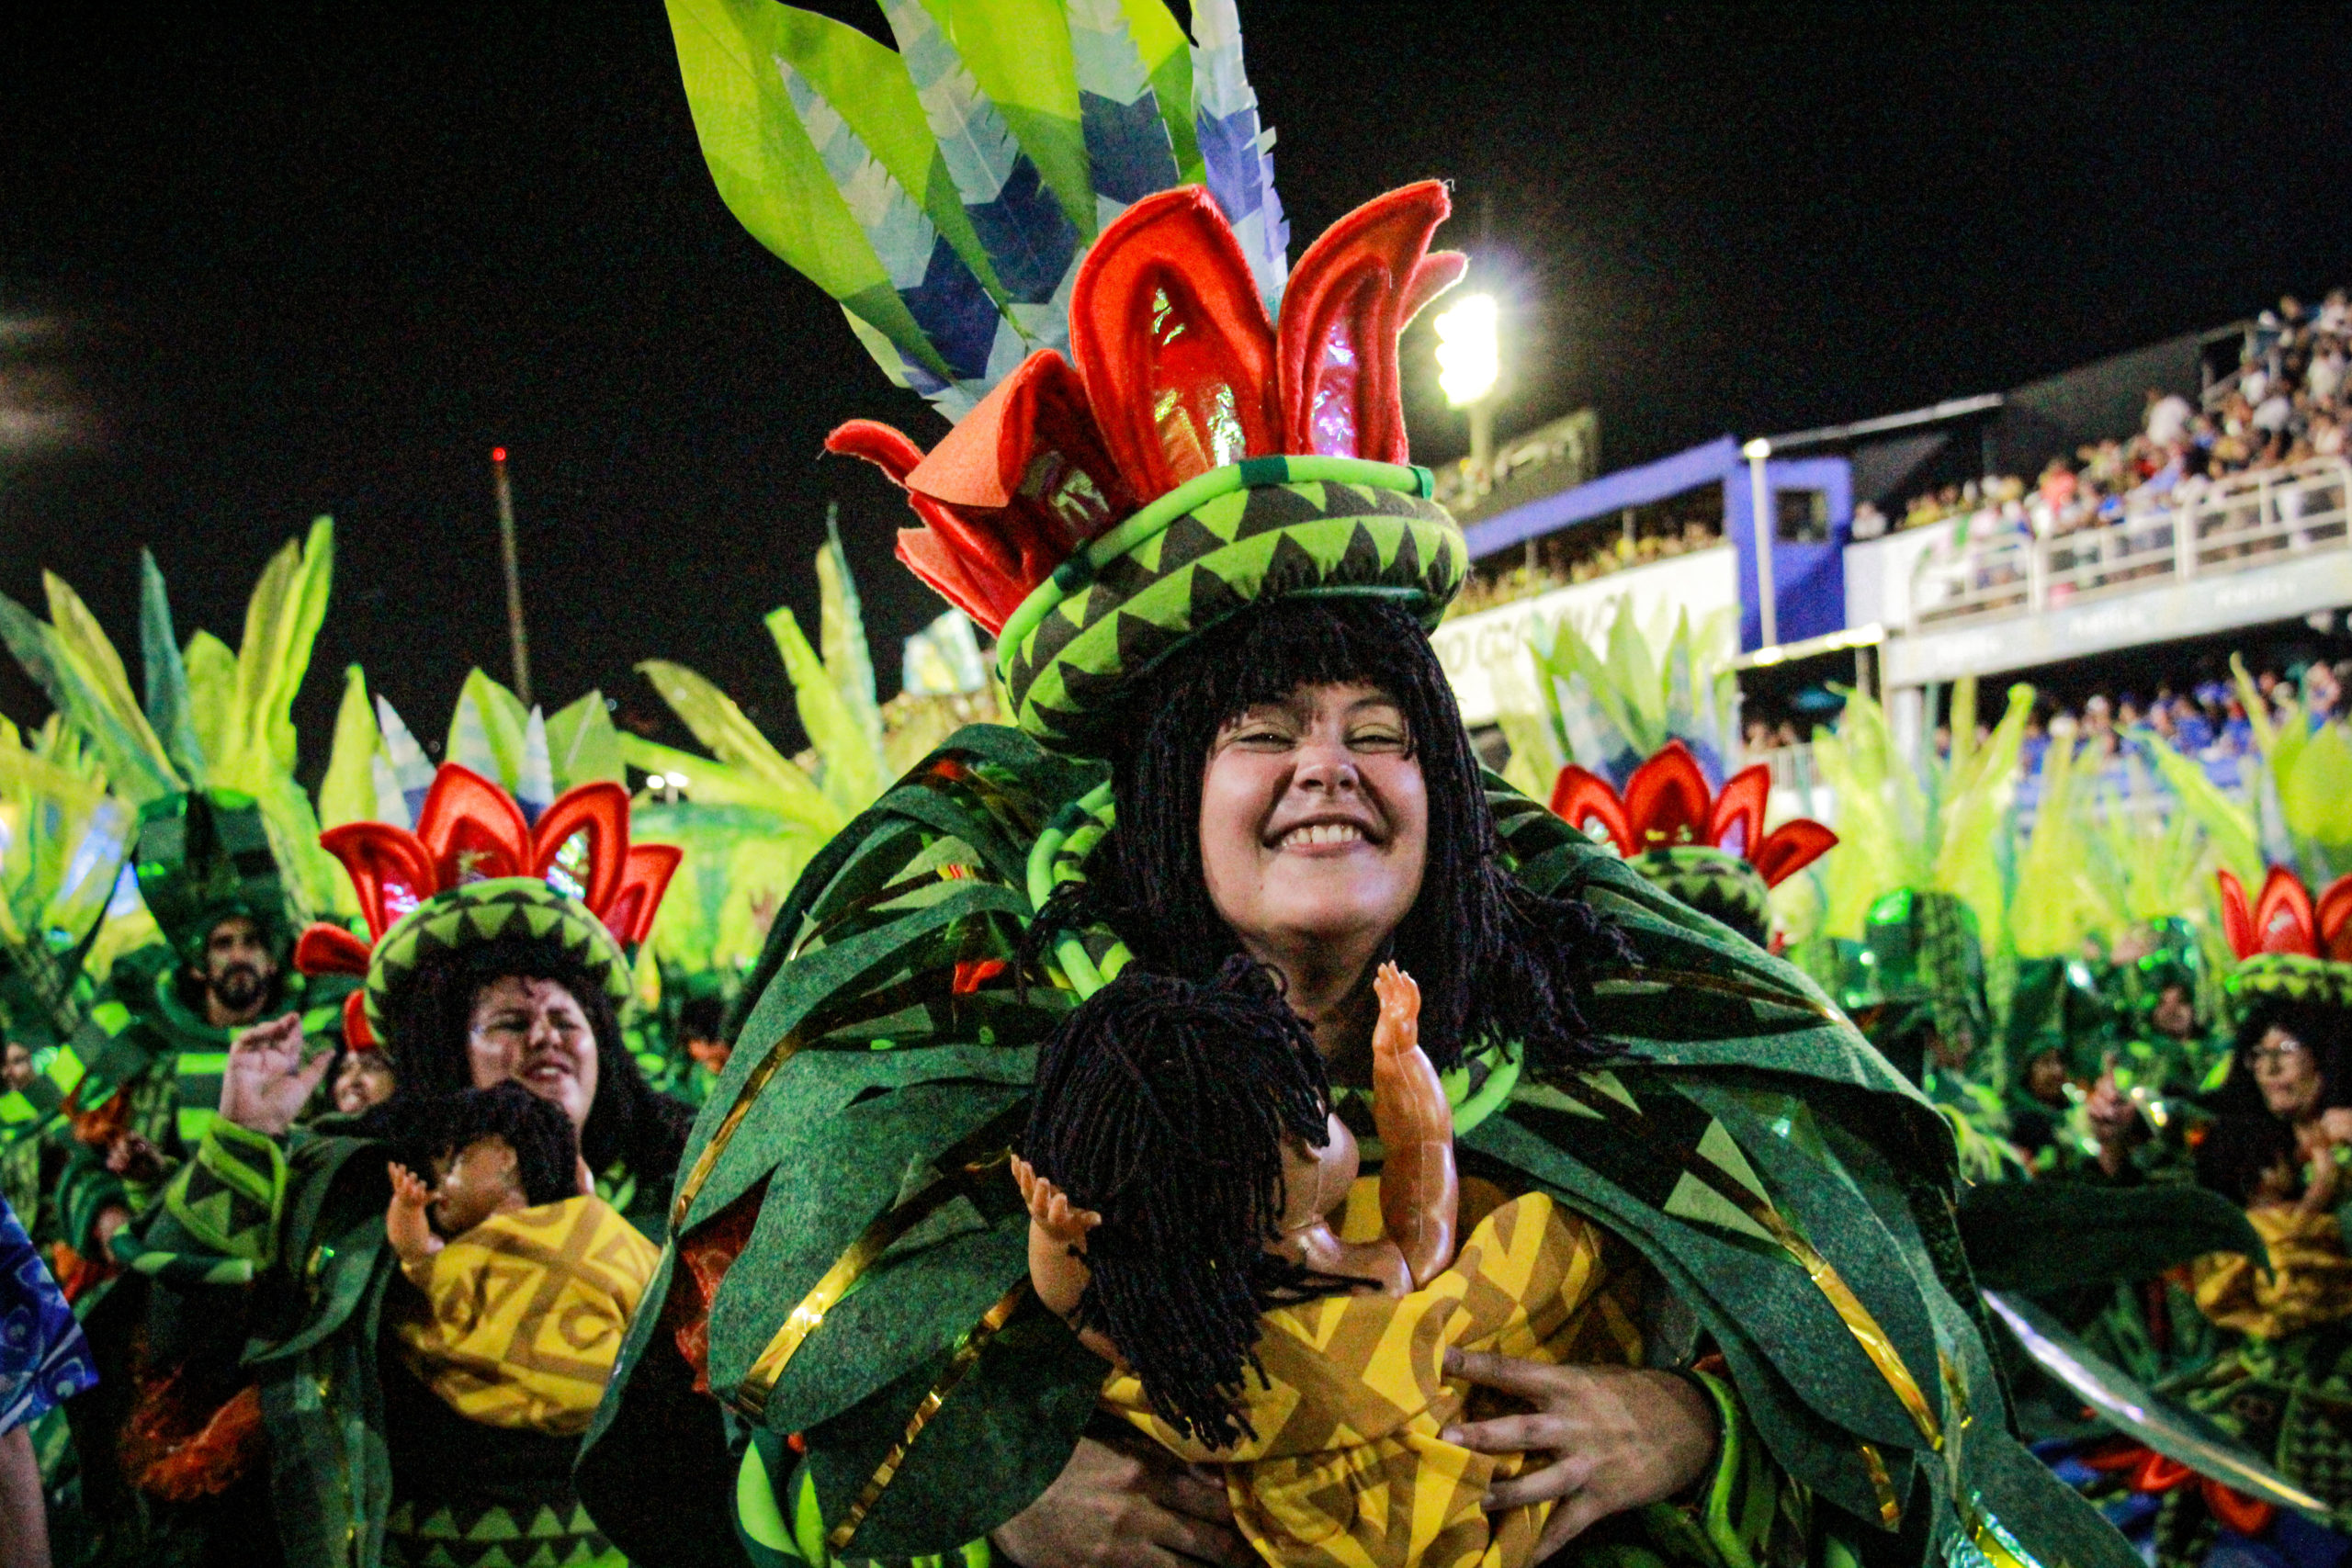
(169, 705)
(842, 628)
(486, 730)
(2050, 1236)
(347, 793)
(849, 755)
(582, 745)
(212, 691)
(763, 164)
(719, 724)
(125, 747)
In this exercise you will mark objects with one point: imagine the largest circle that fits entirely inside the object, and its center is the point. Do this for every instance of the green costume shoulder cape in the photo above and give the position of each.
(903, 1396)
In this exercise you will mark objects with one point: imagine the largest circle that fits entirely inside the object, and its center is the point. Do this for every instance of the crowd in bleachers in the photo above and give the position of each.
(2285, 403)
(1560, 563)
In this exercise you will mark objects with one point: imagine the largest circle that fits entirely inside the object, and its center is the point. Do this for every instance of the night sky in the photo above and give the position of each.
(288, 260)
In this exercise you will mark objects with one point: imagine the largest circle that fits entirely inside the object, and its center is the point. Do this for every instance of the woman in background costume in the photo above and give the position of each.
(496, 956)
(1205, 515)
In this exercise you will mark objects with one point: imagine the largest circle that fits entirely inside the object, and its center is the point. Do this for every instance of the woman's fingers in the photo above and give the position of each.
(1564, 1478)
(1575, 1515)
(1202, 1541)
(1541, 1432)
(1188, 1490)
(1531, 1380)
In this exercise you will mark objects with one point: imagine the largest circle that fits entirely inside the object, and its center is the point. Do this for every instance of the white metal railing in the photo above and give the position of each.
(2247, 520)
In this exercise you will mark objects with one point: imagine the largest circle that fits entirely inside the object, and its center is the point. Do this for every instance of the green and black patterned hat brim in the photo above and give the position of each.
(1712, 881)
(2290, 977)
(1266, 529)
(514, 907)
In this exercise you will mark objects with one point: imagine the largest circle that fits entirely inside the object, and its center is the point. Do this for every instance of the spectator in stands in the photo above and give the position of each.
(2168, 417)
(1869, 522)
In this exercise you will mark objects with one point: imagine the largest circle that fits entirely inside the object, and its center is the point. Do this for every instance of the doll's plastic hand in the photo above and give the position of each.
(1050, 1207)
(1399, 1028)
(406, 1225)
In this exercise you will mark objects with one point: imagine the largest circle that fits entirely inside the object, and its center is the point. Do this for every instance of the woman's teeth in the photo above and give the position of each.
(1324, 833)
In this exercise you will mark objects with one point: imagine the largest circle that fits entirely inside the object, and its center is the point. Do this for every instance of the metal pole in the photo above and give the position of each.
(515, 636)
(1482, 444)
(1760, 496)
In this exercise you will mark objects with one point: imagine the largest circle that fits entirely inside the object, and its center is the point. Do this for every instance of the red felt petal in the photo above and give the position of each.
(930, 556)
(1341, 312)
(2238, 920)
(1438, 271)
(1741, 804)
(1029, 467)
(1174, 343)
(964, 559)
(391, 869)
(356, 1034)
(1578, 797)
(892, 451)
(324, 949)
(644, 879)
(473, 828)
(1666, 799)
(2283, 916)
(2335, 919)
(1789, 848)
(599, 811)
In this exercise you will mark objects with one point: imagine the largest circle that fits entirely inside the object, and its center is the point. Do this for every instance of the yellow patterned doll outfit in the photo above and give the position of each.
(1346, 1470)
(527, 1311)
(2308, 1282)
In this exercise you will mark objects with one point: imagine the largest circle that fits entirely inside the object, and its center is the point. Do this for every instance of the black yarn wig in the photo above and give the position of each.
(547, 1151)
(1163, 1104)
(1495, 960)
(628, 1121)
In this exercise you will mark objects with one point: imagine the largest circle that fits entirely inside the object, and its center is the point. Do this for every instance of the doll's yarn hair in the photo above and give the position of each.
(547, 1151)
(1161, 1103)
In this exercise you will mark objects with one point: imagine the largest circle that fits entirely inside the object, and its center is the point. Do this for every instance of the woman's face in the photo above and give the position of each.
(2288, 1075)
(534, 1033)
(1314, 821)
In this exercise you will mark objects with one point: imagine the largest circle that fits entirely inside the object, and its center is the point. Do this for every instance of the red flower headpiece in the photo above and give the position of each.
(1178, 371)
(471, 830)
(2284, 920)
(1667, 802)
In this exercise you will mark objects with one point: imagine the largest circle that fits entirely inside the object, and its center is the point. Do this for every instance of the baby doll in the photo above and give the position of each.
(2288, 1186)
(1195, 1215)
(508, 1198)
(1194, 1125)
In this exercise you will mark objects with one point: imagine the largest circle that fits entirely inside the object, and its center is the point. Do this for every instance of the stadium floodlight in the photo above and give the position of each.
(1468, 359)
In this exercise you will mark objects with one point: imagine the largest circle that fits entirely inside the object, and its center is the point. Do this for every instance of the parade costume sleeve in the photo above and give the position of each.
(292, 1230)
(43, 1359)
(1751, 1149)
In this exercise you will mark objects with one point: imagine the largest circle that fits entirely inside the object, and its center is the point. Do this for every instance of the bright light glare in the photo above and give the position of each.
(1468, 360)
(656, 781)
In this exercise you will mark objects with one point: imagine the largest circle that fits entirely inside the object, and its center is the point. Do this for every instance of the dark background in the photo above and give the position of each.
(278, 261)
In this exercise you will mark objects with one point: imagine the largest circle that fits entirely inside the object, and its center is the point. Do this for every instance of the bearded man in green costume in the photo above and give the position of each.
(142, 1077)
(1211, 571)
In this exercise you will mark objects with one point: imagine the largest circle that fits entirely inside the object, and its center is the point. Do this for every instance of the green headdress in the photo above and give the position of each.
(476, 871)
(203, 857)
(1226, 428)
(213, 735)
